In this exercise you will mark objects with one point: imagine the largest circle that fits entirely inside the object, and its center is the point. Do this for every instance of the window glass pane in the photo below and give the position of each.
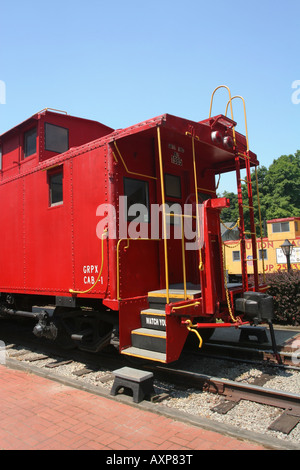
(137, 192)
(236, 256)
(56, 188)
(30, 142)
(0, 157)
(276, 228)
(281, 227)
(173, 186)
(261, 252)
(56, 138)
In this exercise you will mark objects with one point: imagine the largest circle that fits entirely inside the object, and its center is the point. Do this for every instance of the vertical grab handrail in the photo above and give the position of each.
(257, 189)
(164, 213)
(183, 257)
(230, 100)
(244, 105)
(201, 267)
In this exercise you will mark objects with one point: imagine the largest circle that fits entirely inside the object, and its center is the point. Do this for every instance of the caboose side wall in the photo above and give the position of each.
(90, 189)
(41, 240)
(46, 249)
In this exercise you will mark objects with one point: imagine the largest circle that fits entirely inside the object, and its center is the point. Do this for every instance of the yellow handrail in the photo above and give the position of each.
(191, 327)
(201, 267)
(118, 257)
(100, 272)
(230, 100)
(164, 212)
(245, 116)
(250, 182)
(52, 109)
(183, 258)
(260, 227)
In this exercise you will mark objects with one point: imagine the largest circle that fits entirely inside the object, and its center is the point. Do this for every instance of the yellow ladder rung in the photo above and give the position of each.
(244, 157)
(246, 181)
(249, 207)
(250, 233)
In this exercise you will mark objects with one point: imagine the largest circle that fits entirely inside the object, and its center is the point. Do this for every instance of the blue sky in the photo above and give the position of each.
(122, 62)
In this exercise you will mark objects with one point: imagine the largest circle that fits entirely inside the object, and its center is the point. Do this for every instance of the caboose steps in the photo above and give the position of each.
(153, 318)
(150, 341)
(158, 298)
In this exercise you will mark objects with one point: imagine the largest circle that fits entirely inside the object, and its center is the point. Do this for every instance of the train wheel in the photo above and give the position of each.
(84, 329)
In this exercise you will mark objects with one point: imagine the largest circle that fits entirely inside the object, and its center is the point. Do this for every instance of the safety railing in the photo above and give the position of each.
(248, 180)
(231, 110)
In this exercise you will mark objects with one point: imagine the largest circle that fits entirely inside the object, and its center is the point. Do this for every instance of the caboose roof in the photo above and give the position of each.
(221, 160)
(44, 112)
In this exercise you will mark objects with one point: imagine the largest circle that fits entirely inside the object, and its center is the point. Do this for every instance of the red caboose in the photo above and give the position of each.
(114, 236)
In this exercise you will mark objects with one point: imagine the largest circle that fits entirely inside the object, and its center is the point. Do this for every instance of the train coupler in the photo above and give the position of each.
(256, 306)
(43, 328)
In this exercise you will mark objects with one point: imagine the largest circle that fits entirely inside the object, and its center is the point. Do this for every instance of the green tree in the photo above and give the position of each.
(279, 192)
(281, 187)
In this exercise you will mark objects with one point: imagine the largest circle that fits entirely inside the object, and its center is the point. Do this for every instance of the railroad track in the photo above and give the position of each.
(97, 371)
(233, 392)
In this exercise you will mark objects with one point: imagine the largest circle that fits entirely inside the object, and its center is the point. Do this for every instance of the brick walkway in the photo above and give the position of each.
(37, 413)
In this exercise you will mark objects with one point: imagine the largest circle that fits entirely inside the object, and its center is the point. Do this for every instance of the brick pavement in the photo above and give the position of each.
(38, 413)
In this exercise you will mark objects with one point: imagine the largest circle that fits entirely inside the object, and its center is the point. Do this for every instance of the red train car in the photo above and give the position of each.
(113, 236)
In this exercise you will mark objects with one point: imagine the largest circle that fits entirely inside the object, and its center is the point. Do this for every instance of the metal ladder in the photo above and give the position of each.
(246, 158)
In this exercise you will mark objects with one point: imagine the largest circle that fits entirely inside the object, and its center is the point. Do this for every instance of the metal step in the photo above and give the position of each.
(145, 354)
(154, 319)
(176, 294)
(146, 338)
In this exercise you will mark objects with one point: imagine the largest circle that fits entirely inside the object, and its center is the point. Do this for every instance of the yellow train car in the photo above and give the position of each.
(270, 256)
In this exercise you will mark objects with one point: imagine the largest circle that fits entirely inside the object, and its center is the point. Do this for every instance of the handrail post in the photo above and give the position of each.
(183, 258)
(245, 116)
(164, 213)
(230, 100)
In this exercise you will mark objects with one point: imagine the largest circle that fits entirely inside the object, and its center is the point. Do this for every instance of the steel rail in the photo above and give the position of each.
(234, 391)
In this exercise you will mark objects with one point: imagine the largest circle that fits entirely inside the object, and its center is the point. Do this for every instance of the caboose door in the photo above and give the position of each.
(174, 206)
(179, 255)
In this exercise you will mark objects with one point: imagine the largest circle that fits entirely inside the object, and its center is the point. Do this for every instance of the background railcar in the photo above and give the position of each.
(113, 237)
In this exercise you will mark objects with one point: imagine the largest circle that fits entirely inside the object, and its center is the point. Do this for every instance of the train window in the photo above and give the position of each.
(55, 188)
(236, 256)
(30, 142)
(261, 253)
(281, 227)
(173, 186)
(137, 192)
(56, 138)
(0, 158)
